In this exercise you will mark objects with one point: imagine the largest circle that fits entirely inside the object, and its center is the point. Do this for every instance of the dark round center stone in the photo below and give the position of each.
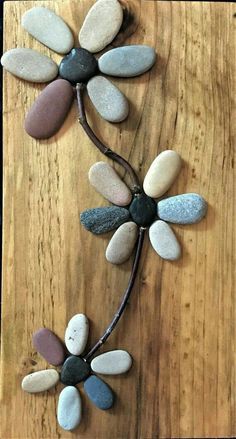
(78, 66)
(74, 370)
(143, 210)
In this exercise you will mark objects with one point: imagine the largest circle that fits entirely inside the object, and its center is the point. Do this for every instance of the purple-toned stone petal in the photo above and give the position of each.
(49, 346)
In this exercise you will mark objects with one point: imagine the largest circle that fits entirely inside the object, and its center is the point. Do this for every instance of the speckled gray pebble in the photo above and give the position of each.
(127, 61)
(182, 209)
(69, 408)
(104, 219)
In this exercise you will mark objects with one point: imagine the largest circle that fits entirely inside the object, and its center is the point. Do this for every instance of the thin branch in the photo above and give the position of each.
(136, 188)
(125, 298)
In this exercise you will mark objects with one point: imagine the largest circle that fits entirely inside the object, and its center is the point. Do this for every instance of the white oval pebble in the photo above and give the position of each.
(112, 363)
(164, 241)
(40, 381)
(162, 173)
(69, 409)
(101, 25)
(122, 243)
(108, 100)
(48, 28)
(30, 65)
(76, 334)
(107, 182)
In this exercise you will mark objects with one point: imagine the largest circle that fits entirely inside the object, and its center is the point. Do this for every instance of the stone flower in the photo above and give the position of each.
(144, 209)
(74, 368)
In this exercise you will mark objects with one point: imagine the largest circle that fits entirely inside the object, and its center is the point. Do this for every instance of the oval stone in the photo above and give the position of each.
(112, 363)
(103, 219)
(48, 28)
(101, 25)
(30, 65)
(49, 346)
(69, 409)
(122, 243)
(74, 370)
(143, 210)
(182, 209)
(40, 381)
(99, 392)
(127, 61)
(50, 109)
(108, 100)
(162, 173)
(76, 334)
(107, 182)
(164, 241)
(78, 66)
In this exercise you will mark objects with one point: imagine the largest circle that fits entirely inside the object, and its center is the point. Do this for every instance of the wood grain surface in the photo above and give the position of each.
(180, 325)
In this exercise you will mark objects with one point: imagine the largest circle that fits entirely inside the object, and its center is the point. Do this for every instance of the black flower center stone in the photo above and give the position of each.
(74, 370)
(143, 210)
(78, 66)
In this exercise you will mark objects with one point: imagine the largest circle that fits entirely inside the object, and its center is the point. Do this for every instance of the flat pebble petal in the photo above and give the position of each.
(162, 173)
(104, 219)
(30, 65)
(112, 363)
(48, 28)
(74, 370)
(99, 392)
(182, 209)
(49, 346)
(122, 243)
(76, 334)
(164, 241)
(107, 182)
(108, 100)
(127, 61)
(69, 409)
(40, 381)
(50, 109)
(101, 25)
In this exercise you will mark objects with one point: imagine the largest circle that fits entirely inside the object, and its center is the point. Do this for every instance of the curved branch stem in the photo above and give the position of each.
(136, 188)
(125, 298)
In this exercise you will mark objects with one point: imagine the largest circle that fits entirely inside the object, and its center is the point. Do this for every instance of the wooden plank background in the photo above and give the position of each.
(180, 324)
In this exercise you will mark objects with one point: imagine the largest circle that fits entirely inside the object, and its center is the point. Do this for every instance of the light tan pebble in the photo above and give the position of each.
(112, 363)
(40, 381)
(164, 241)
(122, 243)
(76, 334)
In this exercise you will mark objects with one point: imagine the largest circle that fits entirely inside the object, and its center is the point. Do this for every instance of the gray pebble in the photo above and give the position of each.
(104, 219)
(69, 409)
(182, 209)
(164, 241)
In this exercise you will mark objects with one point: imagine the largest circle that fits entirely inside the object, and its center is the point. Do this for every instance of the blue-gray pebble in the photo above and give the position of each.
(104, 219)
(127, 61)
(182, 209)
(99, 392)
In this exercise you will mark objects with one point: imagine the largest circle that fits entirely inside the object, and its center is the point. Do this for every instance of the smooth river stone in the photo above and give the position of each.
(182, 209)
(107, 182)
(30, 65)
(162, 173)
(143, 210)
(50, 109)
(69, 409)
(108, 100)
(78, 66)
(122, 243)
(76, 334)
(49, 346)
(112, 363)
(103, 219)
(127, 61)
(48, 28)
(164, 241)
(101, 25)
(99, 392)
(40, 381)
(74, 370)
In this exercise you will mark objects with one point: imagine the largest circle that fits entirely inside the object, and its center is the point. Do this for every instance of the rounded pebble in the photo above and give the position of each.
(107, 182)
(101, 25)
(122, 243)
(162, 173)
(112, 363)
(99, 392)
(182, 209)
(78, 66)
(40, 381)
(108, 100)
(48, 28)
(164, 241)
(103, 219)
(143, 210)
(69, 409)
(74, 370)
(30, 65)
(76, 334)
(49, 346)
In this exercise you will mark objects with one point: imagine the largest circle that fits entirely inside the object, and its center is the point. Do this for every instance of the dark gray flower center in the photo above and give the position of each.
(143, 210)
(78, 66)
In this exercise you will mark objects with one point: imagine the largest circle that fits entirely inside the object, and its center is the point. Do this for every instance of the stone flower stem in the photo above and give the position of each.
(125, 298)
(136, 187)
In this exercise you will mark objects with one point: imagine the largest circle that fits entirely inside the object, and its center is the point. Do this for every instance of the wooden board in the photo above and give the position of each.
(180, 324)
